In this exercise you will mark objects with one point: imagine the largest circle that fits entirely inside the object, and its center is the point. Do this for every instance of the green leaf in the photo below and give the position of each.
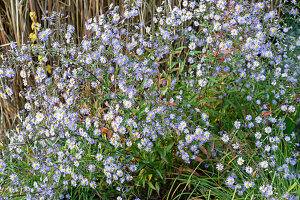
(183, 47)
(157, 187)
(292, 187)
(159, 173)
(151, 186)
(169, 147)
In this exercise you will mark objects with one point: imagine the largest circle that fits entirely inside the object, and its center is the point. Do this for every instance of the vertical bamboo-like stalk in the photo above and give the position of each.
(85, 15)
(3, 38)
(16, 16)
(9, 13)
(2, 135)
(24, 23)
(152, 22)
(49, 5)
(77, 18)
(101, 7)
(82, 17)
(93, 6)
(97, 7)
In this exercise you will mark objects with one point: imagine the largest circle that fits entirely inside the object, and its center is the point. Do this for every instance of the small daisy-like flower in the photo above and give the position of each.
(291, 109)
(202, 82)
(234, 32)
(13, 177)
(209, 40)
(189, 138)
(72, 126)
(99, 157)
(10, 73)
(249, 170)
(70, 28)
(285, 196)
(257, 135)
(116, 18)
(128, 177)
(225, 138)
(192, 46)
(120, 173)
(268, 129)
(2, 73)
(159, 9)
(263, 188)
(182, 125)
(127, 103)
(139, 51)
(35, 165)
(55, 45)
(43, 36)
(8, 90)
(219, 166)
(97, 132)
(132, 168)
(235, 146)
(230, 181)
(204, 116)
(264, 164)
(248, 117)
(283, 107)
(202, 7)
(240, 161)
(39, 117)
(113, 95)
(86, 44)
(91, 168)
(247, 184)
(93, 184)
(84, 182)
(3, 95)
(258, 119)
(237, 124)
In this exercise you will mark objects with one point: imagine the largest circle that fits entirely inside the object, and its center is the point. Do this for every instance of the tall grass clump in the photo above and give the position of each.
(199, 103)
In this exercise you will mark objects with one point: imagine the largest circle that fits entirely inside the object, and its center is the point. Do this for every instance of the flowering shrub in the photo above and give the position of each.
(211, 84)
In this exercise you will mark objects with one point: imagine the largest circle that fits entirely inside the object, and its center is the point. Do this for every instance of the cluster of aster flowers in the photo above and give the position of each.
(93, 110)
